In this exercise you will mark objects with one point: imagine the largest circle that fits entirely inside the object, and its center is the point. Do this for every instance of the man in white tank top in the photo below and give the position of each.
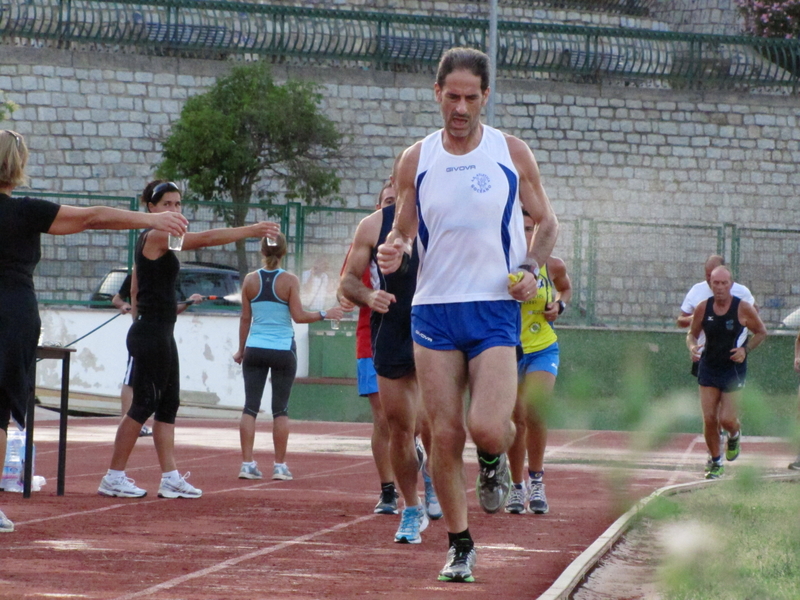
(460, 190)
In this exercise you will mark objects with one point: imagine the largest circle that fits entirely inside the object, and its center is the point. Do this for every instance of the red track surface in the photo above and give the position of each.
(313, 537)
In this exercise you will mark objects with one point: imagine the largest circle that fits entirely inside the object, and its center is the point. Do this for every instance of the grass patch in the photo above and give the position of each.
(738, 539)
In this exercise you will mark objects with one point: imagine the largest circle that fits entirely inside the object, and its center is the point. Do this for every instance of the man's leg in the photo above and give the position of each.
(710, 398)
(442, 377)
(380, 439)
(399, 398)
(709, 402)
(493, 394)
(729, 421)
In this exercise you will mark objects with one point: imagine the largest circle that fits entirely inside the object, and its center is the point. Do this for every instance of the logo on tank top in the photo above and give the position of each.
(481, 183)
(729, 325)
(461, 168)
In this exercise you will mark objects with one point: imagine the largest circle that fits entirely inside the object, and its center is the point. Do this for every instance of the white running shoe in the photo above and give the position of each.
(250, 471)
(281, 472)
(178, 489)
(121, 487)
(6, 526)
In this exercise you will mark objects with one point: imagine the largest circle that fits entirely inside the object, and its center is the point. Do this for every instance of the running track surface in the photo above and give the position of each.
(316, 536)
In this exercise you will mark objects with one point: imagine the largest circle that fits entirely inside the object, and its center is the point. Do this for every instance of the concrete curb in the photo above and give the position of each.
(576, 572)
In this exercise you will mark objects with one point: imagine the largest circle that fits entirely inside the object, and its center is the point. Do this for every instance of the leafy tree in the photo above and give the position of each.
(247, 128)
(6, 108)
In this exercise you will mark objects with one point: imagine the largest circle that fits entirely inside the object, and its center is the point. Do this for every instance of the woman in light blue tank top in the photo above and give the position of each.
(270, 302)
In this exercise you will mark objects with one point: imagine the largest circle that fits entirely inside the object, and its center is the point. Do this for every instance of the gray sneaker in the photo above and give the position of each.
(387, 505)
(6, 526)
(537, 501)
(178, 489)
(516, 501)
(459, 565)
(493, 484)
(281, 472)
(121, 487)
(795, 466)
(250, 472)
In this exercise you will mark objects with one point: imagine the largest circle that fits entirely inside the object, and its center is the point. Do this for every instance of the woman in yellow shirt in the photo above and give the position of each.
(537, 371)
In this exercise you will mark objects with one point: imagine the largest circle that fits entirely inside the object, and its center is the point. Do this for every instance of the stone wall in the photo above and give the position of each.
(94, 121)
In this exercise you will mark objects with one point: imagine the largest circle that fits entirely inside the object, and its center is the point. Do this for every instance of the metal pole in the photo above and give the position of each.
(492, 61)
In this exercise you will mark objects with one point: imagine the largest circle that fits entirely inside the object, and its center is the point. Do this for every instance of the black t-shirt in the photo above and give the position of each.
(722, 334)
(156, 296)
(22, 221)
(125, 289)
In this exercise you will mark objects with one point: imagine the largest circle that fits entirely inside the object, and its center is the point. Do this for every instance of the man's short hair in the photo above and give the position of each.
(469, 59)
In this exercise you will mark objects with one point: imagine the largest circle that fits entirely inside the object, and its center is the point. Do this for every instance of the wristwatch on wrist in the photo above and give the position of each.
(323, 314)
(530, 269)
(561, 306)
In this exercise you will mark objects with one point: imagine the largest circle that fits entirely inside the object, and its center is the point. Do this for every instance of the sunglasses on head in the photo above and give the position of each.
(16, 136)
(161, 189)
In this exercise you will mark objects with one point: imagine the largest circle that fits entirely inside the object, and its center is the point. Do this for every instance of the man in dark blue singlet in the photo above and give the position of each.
(725, 320)
(393, 355)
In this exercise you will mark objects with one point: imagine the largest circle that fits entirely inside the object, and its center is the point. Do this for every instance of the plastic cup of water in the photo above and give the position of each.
(175, 242)
(271, 242)
(335, 324)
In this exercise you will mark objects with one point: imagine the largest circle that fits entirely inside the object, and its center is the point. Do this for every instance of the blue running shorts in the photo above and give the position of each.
(366, 377)
(729, 379)
(545, 359)
(470, 327)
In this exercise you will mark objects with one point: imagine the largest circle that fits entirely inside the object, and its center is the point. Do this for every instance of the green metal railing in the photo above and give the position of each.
(623, 273)
(390, 41)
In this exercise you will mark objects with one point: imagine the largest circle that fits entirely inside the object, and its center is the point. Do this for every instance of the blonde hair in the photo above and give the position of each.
(273, 255)
(13, 159)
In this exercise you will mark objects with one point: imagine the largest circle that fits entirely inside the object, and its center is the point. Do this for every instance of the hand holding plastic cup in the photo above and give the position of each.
(175, 242)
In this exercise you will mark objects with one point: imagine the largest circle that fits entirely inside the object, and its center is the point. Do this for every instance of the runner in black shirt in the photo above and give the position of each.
(725, 320)
(152, 346)
(22, 221)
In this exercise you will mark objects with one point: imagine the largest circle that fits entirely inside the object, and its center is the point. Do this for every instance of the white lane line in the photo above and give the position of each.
(250, 555)
(552, 450)
(139, 502)
(683, 460)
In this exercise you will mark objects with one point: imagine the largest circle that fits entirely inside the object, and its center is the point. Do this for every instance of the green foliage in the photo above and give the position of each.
(6, 108)
(247, 128)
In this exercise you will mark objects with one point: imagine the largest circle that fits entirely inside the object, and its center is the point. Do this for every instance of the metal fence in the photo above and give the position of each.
(623, 273)
(220, 29)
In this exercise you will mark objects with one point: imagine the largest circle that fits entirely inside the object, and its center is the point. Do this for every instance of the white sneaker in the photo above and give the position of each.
(178, 489)
(249, 471)
(6, 526)
(121, 487)
(281, 472)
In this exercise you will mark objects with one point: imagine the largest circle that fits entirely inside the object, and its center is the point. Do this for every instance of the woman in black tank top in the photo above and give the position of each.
(152, 346)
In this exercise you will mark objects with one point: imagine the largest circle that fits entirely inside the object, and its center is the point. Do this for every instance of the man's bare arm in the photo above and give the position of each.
(684, 320)
(366, 236)
(534, 200)
(406, 220)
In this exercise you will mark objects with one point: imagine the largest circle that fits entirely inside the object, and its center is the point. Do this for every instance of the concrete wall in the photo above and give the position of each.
(206, 344)
(94, 121)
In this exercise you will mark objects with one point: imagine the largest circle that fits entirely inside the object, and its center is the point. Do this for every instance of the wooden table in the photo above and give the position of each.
(62, 354)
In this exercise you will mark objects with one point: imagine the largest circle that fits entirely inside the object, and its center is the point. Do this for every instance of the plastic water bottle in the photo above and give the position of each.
(12, 470)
